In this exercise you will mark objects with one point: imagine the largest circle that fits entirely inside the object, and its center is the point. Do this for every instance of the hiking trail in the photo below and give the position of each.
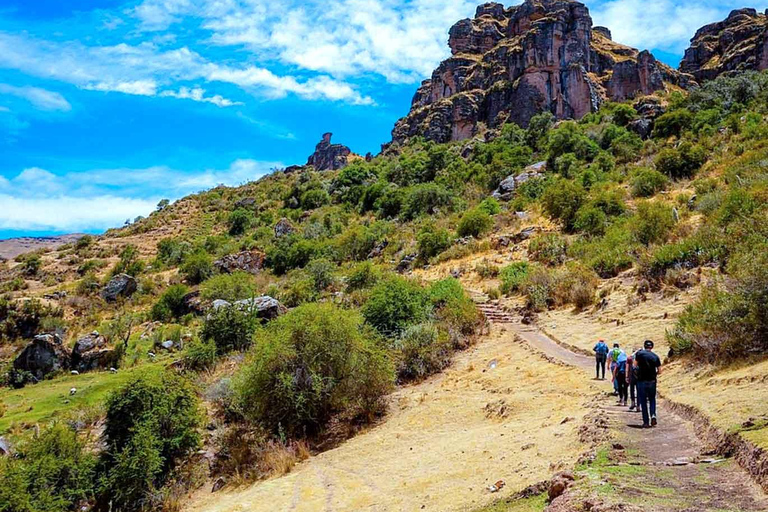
(445, 440)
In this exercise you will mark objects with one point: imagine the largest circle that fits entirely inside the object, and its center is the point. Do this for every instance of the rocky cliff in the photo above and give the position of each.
(508, 64)
(329, 157)
(738, 43)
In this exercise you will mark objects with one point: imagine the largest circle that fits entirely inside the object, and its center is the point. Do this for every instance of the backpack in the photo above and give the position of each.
(615, 354)
(601, 349)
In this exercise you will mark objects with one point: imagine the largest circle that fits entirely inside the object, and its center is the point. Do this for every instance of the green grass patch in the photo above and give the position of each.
(532, 504)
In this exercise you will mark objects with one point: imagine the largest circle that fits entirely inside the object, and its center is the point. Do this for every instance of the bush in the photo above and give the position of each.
(314, 198)
(321, 272)
(197, 268)
(230, 328)
(425, 198)
(129, 262)
(648, 182)
(31, 264)
(240, 221)
(238, 285)
(575, 285)
(562, 200)
(513, 276)
(25, 319)
(151, 423)
(421, 350)
(309, 364)
(454, 306)
(549, 249)
(475, 222)
(172, 251)
(200, 354)
(653, 222)
(171, 304)
(537, 288)
(490, 206)
(568, 137)
(362, 276)
(591, 221)
(394, 304)
(431, 241)
(672, 124)
(681, 162)
(50, 473)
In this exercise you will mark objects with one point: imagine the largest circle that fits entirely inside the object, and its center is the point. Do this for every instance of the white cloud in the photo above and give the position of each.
(144, 68)
(664, 24)
(198, 94)
(37, 199)
(134, 87)
(39, 98)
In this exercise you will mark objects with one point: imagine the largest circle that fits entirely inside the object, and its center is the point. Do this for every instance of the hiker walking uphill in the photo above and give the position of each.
(601, 356)
(648, 367)
(615, 355)
(631, 378)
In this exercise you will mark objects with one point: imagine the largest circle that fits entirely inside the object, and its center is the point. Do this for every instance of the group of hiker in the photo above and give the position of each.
(634, 376)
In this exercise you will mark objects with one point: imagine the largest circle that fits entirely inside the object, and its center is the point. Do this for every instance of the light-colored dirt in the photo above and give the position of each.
(501, 412)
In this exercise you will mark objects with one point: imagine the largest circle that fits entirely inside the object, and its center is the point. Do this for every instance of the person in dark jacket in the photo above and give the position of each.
(632, 380)
(648, 367)
(601, 356)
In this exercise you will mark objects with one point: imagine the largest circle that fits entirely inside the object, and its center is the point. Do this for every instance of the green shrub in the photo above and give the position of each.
(648, 182)
(321, 271)
(538, 287)
(363, 275)
(314, 198)
(238, 285)
(129, 262)
(313, 362)
(569, 137)
(681, 162)
(172, 251)
(425, 198)
(50, 473)
(240, 221)
(474, 222)
(672, 124)
(197, 268)
(200, 354)
(431, 241)
(395, 303)
(292, 252)
(623, 114)
(562, 199)
(421, 350)
(453, 306)
(24, 319)
(299, 290)
(151, 423)
(490, 206)
(591, 221)
(171, 304)
(389, 203)
(549, 249)
(512, 277)
(31, 264)
(230, 328)
(653, 222)
(575, 285)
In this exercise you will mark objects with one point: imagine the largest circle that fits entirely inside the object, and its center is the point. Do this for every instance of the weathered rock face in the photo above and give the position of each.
(43, 355)
(122, 285)
(329, 157)
(247, 261)
(265, 307)
(508, 186)
(510, 64)
(738, 43)
(283, 228)
(91, 353)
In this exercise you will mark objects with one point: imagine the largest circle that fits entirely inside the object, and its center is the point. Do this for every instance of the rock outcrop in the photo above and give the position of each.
(91, 353)
(738, 43)
(247, 261)
(510, 64)
(329, 157)
(43, 355)
(122, 285)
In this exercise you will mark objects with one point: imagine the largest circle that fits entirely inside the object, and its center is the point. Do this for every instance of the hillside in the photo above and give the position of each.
(411, 330)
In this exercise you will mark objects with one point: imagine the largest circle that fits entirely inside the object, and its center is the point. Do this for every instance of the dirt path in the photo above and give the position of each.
(662, 469)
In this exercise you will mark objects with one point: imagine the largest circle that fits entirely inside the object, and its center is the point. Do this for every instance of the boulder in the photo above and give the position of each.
(328, 156)
(266, 307)
(193, 303)
(406, 263)
(91, 353)
(43, 355)
(378, 249)
(248, 261)
(283, 228)
(122, 285)
(246, 202)
(507, 187)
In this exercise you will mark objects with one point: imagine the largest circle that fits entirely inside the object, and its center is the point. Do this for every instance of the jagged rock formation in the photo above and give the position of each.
(329, 157)
(738, 43)
(510, 64)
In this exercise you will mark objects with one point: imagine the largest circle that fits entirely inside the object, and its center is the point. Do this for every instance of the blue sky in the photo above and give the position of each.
(107, 106)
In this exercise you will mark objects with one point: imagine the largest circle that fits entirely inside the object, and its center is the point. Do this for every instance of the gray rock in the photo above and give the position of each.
(43, 355)
(247, 261)
(283, 228)
(508, 186)
(167, 344)
(220, 303)
(122, 285)
(265, 306)
(91, 353)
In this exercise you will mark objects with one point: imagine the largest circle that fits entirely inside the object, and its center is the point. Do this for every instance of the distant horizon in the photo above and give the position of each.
(108, 106)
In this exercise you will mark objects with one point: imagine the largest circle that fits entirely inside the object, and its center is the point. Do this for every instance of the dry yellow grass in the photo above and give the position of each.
(443, 442)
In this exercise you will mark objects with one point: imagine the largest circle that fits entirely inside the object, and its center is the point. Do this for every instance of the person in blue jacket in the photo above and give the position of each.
(601, 356)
